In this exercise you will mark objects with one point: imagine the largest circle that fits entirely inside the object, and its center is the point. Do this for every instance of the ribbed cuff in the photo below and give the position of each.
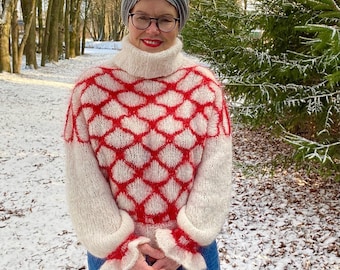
(120, 252)
(126, 255)
(178, 246)
(183, 240)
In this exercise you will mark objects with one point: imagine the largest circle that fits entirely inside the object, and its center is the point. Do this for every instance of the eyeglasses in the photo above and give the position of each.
(164, 23)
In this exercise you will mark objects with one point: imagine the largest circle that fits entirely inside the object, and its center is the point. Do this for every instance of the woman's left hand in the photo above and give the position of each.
(165, 264)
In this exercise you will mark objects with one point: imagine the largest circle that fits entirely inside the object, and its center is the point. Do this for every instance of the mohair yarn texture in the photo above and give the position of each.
(182, 7)
(148, 157)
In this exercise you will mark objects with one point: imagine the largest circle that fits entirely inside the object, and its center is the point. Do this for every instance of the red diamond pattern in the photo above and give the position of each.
(147, 135)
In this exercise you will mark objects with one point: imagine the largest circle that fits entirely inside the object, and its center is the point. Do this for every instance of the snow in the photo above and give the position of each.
(278, 220)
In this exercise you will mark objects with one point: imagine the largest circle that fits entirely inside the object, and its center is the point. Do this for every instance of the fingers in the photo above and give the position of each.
(146, 249)
(141, 264)
(165, 264)
(157, 258)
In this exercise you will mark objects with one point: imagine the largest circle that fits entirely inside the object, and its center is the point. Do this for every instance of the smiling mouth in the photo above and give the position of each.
(152, 43)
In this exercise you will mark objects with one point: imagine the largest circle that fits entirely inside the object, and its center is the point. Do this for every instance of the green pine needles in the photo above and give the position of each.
(280, 63)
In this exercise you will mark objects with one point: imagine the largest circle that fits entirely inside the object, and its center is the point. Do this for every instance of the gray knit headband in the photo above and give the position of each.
(182, 7)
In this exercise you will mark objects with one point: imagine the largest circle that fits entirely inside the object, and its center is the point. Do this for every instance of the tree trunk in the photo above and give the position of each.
(86, 17)
(74, 31)
(61, 30)
(118, 26)
(93, 29)
(40, 26)
(44, 56)
(101, 24)
(53, 42)
(15, 41)
(29, 15)
(5, 29)
(67, 29)
(18, 50)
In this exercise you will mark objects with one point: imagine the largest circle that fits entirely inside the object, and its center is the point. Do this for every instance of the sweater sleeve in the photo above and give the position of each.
(201, 219)
(105, 230)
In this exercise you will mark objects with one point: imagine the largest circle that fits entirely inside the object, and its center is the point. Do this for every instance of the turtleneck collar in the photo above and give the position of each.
(149, 65)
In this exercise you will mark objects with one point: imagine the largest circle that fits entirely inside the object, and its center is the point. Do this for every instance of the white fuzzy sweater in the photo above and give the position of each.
(149, 153)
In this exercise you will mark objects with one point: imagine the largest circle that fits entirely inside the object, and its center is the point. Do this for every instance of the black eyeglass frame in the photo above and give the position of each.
(150, 21)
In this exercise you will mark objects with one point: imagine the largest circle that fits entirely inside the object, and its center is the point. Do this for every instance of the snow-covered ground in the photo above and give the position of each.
(278, 220)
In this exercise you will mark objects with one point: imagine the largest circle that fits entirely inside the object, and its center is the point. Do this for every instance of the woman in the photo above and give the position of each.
(149, 150)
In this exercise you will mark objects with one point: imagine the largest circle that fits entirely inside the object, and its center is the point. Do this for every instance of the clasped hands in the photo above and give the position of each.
(160, 262)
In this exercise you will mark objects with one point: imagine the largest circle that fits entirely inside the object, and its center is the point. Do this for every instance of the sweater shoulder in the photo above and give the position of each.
(207, 73)
(199, 68)
(93, 72)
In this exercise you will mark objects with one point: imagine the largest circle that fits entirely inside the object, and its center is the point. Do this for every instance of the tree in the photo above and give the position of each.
(29, 15)
(10, 34)
(61, 29)
(18, 48)
(322, 48)
(5, 26)
(98, 19)
(280, 71)
(15, 39)
(54, 28)
(40, 26)
(64, 30)
(105, 21)
(117, 26)
(87, 6)
(213, 31)
(46, 36)
(67, 28)
(74, 29)
(55, 33)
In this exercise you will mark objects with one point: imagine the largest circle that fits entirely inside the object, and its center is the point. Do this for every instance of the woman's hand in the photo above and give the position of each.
(147, 250)
(141, 264)
(165, 264)
(155, 255)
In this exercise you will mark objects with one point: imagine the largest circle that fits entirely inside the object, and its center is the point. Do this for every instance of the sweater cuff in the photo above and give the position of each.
(126, 255)
(178, 246)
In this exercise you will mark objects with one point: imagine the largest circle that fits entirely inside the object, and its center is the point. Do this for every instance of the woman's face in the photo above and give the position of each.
(152, 39)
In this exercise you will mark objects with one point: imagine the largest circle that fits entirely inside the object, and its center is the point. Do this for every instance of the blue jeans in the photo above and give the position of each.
(209, 253)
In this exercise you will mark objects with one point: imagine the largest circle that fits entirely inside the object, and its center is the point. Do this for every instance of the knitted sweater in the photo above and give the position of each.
(148, 157)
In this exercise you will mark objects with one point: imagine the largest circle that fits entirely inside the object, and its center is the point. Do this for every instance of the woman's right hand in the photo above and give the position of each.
(141, 264)
(147, 250)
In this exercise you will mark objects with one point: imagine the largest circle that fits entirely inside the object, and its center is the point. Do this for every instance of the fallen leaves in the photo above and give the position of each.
(281, 217)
